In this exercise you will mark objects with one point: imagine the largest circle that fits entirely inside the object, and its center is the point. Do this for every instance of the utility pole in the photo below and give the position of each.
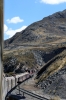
(1, 49)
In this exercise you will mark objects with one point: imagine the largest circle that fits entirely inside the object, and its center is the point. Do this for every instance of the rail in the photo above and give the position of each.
(32, 94)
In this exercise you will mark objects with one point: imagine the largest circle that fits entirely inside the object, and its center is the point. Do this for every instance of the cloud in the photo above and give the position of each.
(52, 1)
(10, 32)
(15, 20)
(5, 28)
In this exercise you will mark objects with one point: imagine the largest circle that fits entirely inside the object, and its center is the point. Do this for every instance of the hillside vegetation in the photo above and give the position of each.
(40, 47)
(54, 65)
(47, 32)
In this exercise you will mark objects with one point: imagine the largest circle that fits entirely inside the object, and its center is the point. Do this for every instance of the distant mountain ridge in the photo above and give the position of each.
(49, 29)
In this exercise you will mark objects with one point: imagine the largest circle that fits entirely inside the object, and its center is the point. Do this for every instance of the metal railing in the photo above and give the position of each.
(32, 94)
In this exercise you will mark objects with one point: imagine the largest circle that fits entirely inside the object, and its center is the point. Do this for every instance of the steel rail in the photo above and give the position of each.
(32, 94)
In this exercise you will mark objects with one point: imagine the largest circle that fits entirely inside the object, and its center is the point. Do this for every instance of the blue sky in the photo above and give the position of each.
(18, 14)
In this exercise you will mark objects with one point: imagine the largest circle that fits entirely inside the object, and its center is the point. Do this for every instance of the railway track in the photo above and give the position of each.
(32, 94)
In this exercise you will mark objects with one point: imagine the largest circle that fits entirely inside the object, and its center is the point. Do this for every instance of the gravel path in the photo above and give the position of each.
(29, 85)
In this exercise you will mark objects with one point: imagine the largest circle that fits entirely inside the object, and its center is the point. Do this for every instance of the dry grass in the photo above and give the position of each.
(26, 56)
(23, 56)
(55, 98)
(54, 67)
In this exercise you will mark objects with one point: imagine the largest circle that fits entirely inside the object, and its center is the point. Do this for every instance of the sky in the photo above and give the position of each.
(19, 14)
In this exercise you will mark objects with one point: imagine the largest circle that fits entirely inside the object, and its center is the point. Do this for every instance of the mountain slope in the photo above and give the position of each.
(49, 29)
(52, 76)
(40, 47)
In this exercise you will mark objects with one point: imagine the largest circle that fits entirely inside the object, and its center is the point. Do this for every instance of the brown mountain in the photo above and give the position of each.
(51, 29)
(41, 46)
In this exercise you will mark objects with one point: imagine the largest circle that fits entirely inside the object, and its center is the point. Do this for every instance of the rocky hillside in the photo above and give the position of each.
(41, 46)
(52, 76)
(51, 29)
(29, 58)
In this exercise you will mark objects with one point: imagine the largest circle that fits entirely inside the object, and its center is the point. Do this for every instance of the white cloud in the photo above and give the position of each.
(10, 32)
(5, 28)
(52, 1)
(15, 20)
